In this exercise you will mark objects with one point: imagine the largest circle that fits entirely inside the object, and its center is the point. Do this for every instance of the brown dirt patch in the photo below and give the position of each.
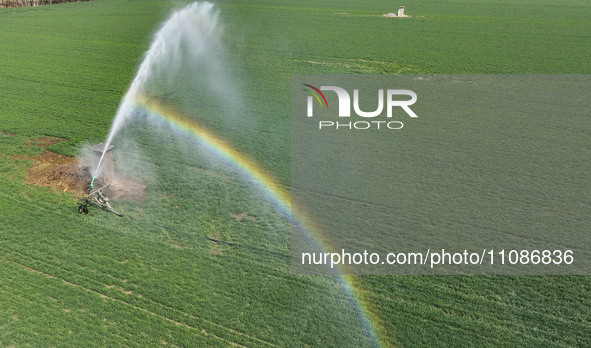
(240, 217)
(216, 250)
(71, 174)
(45, 142)
(59, 172)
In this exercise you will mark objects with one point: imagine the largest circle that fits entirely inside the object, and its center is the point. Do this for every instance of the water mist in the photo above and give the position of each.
(191, 32)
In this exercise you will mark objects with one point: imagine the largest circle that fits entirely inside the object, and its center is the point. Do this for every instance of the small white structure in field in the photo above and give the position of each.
(400, 13)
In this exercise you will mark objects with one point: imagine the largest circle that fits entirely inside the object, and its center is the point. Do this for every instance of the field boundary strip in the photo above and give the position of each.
(33, 3)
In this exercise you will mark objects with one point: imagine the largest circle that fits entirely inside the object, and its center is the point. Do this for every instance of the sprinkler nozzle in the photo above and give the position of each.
(92, 182)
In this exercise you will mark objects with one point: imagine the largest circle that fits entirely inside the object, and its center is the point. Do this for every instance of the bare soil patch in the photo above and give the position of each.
(45, 142)
(240, 217)
(72, 174)
(59, 172)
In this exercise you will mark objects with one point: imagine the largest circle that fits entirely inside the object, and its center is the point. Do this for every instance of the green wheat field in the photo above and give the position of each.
(205, 260)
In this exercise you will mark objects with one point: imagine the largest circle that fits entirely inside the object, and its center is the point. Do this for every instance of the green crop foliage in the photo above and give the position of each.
(155, 277)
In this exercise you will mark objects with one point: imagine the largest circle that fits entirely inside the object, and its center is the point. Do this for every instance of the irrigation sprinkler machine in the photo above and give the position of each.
(102, 167)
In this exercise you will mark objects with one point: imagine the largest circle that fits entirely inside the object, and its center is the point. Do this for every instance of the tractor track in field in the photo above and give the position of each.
(201, 331)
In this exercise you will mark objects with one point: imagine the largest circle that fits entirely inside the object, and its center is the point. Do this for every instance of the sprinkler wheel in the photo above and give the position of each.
(83, 208)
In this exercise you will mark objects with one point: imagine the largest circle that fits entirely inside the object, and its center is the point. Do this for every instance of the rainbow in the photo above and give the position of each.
(221, 148)
(274, 191)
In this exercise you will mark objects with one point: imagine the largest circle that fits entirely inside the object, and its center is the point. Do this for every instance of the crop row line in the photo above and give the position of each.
(140, 308)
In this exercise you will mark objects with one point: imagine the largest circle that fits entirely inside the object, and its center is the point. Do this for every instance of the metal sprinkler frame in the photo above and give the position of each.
(98, 199)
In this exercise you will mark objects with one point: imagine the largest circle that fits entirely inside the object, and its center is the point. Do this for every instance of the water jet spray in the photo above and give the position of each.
(176, 34)
(102, 153)
(192, 29)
